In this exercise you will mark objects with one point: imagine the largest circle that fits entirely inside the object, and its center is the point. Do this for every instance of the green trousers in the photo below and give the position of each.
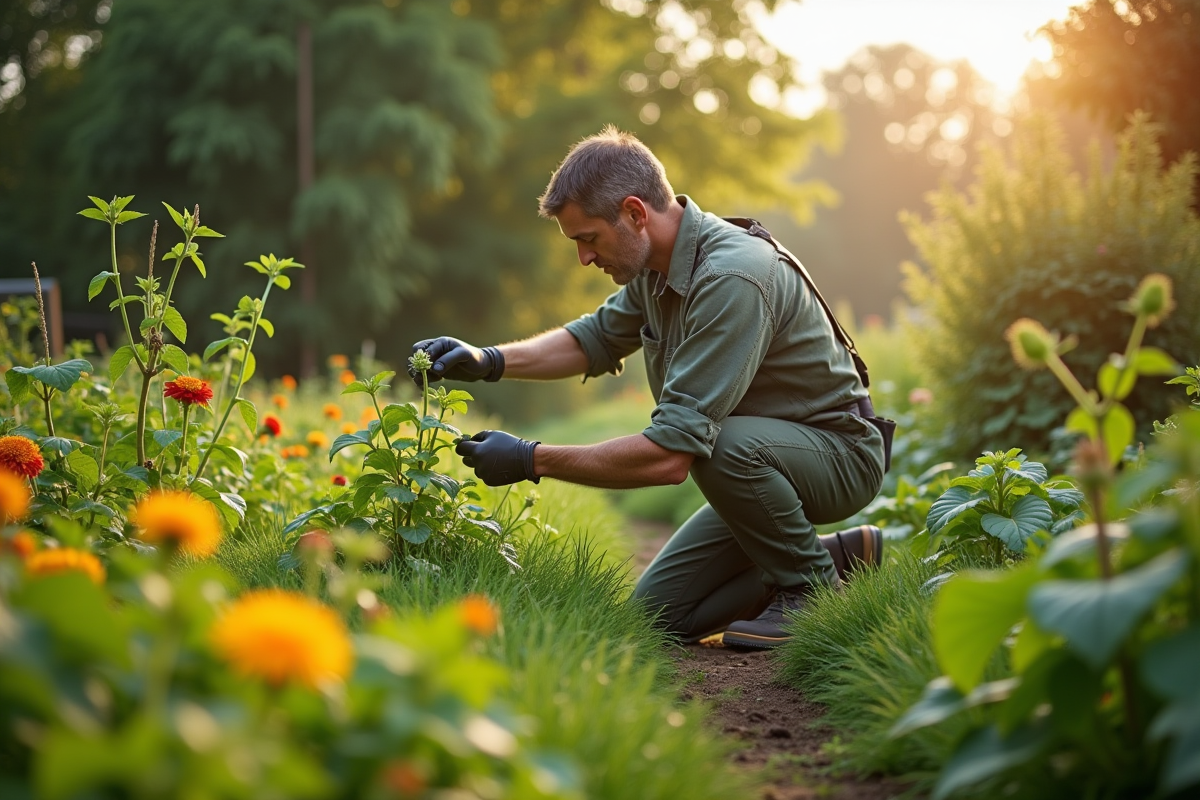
(767, 483)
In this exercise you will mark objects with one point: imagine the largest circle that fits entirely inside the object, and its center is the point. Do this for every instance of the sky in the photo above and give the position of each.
(996, 36)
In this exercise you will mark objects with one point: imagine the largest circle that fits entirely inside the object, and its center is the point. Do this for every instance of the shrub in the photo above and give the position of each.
(1034, 239)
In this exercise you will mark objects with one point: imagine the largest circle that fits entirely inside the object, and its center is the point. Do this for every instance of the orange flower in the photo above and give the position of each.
(299, 451)
(14, 497)
(404, 778)
(284, 637)
(289, 383)
(317, 439)
(332, 411)
(349, 427)
(272, 424)
(346, 377)
(338, 361)
(21, 455)
(65, 559)
(280, 401)
(22, 544)
(478, 614)
(188, 391)
(366, 416)
(178, 518)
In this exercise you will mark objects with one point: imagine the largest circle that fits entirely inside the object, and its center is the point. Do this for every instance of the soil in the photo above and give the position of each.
(779, 735)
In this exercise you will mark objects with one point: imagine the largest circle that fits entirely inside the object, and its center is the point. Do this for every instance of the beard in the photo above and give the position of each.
(630, 255)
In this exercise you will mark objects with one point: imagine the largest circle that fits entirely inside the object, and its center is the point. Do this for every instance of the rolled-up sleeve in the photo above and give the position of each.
(611, 333)
(727, 328)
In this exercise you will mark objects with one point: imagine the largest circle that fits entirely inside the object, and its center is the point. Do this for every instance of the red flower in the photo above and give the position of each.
(339, 480)
(21, 455)
(188, 390)
(272, 424)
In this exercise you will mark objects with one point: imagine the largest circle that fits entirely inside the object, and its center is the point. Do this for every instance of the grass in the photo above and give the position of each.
(586, 665)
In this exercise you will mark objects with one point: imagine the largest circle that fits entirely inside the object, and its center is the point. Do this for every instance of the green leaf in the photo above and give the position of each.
(199, 263)
(123, 301)
(249, 414)
(973, 613)
(1030, 514)
(97, 284)
(1118, 428)
(955, 501)
(60, 444)
(283, 282)
(1169, 665)
(1182, 767)
(267, 327)
(84, 467)
(93, 213)
(148, 323)
(394, 414)
(941, 700)
(1153, 361)
(220, 345)
(985, 753)
(456, 401)
(347, 440)
(355, 387)
(1096, 616)
(1080, 421)
(166, 438)
(128, 216)
(18, 386)
(77, 612)
(382, 460)
(251, 364)
(173, 320)
(119, 362)
(415, 534)
(399, 494)
(61, 376)
(1113, 381)
(378, 379)
(175, 358)
(119, 203)
(204, 230)
(175, 215)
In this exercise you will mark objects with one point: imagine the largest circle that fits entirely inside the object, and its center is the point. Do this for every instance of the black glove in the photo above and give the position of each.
(499, 458)
(458, 361)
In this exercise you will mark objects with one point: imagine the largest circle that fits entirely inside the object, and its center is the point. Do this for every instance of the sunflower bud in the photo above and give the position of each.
(1153, 299)
(420, 361)
(1032, 345)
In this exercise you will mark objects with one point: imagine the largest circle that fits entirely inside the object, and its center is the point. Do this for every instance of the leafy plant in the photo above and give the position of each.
(1191, 380)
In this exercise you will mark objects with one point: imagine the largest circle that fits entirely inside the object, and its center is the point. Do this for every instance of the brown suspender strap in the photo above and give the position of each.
(753, 227)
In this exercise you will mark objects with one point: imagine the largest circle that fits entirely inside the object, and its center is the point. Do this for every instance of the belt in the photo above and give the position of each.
(859, 408)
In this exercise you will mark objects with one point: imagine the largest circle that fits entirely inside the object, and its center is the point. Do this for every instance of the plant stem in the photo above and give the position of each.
(1072, 385)
(187, 410)
(147, 377)
(121, 299)
(49, 417)
(100, 475)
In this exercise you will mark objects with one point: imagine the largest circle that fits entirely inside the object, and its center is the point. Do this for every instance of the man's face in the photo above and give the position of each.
(617, 249)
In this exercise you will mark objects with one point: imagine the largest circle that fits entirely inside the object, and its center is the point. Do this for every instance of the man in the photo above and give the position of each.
(756, 397)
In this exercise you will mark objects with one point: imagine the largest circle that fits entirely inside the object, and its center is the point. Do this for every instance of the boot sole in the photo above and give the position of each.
(751, 641)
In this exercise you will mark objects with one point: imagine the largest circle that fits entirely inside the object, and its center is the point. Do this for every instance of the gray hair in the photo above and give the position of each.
(601, 171)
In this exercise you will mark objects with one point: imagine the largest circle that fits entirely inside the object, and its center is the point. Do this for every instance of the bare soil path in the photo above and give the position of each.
(780, 735)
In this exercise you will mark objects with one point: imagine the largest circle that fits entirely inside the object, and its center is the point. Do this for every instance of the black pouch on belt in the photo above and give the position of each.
(887, 428)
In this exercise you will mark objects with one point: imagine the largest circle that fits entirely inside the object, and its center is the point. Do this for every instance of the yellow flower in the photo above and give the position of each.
(349, 427)
(65, 559)
(284, 637)
(332, 411)
(14, 497)
(181, 518)
(317, 439)
(478, 614)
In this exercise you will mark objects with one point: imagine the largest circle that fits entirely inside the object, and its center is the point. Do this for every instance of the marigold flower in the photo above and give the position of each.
(289, 383)
(349, 427)
(478, 614)
(339, 480)
(347, 377)
(317, 439)
(404, 778)
(366, 416)
(22, 544)
(332, 411)
(300, 451)
(280, 401)
(14, 497)
(188, 390)
(180, 518)
(65, 559)
(284, 637)
(21, 455)
(272, 424)
(338, 361)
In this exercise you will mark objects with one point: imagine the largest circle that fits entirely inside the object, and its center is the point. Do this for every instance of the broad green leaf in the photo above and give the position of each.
(204, 230)
(1079, 541)
(167, 438)
(84, 506)
(175, 358)
(399, 494)
(1065, 498)
(220, 345)
(93, 213)
(1030, 643)
(299, 521)
(84, 467)
(1153, 361)
(1118, 428)
(415, 534)
(347, 440)
(119, 203)
(382, 460)
(175, 215)
(447, 484)
(355, 387)
(173, 321)
(199, 264)
(148, 323)
(97, 284)
(973, 613)
(379, 378)
(1114, 382)
(986, 753)
(952, 503)
(1030, 514)
(941, 700)
(1096, 616)
(60, 444)
(1182, 767)
(251, 364)
(1080, 421)
(19, 386)
(61, 376)
(100, 204)
(1169, 665)
(395, 414)
(128, 216)
(1030, 470)
(120, 360)
(456, 401)
(267, 327)
(249, 414)
(283, 282)
(123, 301)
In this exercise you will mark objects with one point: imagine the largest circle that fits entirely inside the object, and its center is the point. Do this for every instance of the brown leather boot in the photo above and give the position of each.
(854, 548)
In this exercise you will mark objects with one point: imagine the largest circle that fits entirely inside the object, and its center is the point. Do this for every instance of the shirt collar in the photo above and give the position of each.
(683, 256)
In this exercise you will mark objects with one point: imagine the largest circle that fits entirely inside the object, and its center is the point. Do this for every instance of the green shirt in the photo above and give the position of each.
(733, 330)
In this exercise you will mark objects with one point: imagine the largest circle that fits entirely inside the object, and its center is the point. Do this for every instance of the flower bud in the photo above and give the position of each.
(1153, 299)
(420, 361)
(1032, 345)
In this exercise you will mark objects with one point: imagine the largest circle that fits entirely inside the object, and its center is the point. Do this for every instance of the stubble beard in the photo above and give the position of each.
(631, 256)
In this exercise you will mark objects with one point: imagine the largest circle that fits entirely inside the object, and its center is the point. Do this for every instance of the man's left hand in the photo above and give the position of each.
(499, 458)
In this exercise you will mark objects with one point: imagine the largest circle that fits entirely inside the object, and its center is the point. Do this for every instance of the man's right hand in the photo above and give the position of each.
(458, 361)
